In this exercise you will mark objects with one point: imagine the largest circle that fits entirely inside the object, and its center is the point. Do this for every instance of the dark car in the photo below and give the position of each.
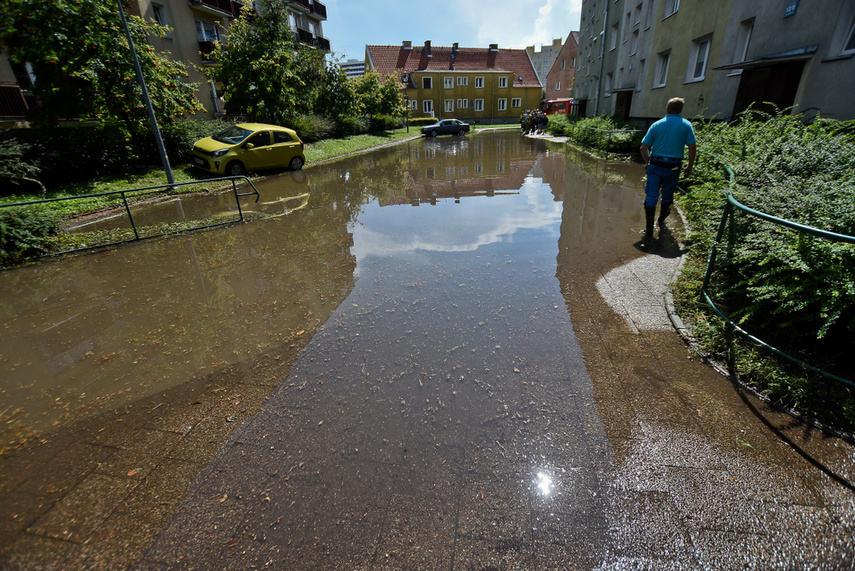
(446, 127)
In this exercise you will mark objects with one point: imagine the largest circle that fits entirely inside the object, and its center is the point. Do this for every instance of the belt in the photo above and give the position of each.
(665, 162)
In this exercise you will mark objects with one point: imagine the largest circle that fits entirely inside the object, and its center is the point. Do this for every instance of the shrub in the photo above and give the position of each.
(312, 128)
(380, 123)
(26, 233)
(348, 125)
(15, 170)
(75, 153)
(601, 134)
(789, 288)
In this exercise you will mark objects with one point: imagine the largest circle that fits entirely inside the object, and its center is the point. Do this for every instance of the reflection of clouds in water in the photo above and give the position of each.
(449, 227)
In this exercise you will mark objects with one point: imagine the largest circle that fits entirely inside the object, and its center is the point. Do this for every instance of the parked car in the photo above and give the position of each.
(248, 147)
(446, 127)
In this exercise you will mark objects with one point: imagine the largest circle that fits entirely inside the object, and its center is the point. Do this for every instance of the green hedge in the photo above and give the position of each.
(793, 290)
(602, 134)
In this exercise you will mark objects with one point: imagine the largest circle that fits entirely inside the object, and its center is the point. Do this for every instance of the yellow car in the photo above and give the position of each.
(249, 147)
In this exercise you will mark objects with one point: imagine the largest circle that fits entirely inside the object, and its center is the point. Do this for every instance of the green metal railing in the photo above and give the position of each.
(127, 199)
(730, 209)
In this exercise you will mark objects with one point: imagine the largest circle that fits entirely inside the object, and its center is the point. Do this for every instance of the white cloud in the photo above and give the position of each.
(352, 24)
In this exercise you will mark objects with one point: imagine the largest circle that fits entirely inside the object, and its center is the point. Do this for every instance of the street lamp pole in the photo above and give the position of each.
(157, 138)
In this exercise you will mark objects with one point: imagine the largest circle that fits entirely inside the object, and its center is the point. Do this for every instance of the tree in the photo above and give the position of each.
(82, 67)
(266, 74)
(379, 95)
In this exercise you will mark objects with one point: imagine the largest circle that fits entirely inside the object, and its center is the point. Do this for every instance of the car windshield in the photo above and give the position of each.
(232, 135)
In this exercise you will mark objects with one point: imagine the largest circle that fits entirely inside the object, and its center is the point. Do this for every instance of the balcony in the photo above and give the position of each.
(304, 4)
(306, 37)
(13, 103)
(319, 9)
(221, 8)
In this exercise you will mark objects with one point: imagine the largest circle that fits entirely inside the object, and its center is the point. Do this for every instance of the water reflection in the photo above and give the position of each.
(439, 355)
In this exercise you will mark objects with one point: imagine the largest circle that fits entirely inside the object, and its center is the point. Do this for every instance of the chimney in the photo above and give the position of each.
(494, 47)
(427, 48)
(455, 47)
(408, 45)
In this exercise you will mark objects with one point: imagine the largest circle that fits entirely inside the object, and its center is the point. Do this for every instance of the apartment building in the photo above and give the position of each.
(196, 25)
(562, 74)
(478, 85)
(721, 56)
(353, 67)
(543, 58)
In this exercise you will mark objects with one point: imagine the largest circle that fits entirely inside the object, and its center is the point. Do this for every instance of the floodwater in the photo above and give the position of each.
(448, 386)
(450, 237)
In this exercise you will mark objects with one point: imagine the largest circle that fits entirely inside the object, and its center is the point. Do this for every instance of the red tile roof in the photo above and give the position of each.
(392, 59)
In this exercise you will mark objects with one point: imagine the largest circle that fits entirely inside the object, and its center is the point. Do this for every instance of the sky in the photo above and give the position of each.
(351, 24)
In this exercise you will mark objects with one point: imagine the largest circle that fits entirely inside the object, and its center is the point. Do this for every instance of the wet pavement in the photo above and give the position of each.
(453, 355)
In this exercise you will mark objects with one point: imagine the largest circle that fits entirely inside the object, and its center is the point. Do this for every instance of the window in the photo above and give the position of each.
(743, 38)
(516, 102)
(633, 43)
(648, 18)
(608, 84)
(615, 32)
(261, 139)
(698, 59)
(558, 84)
(427, 107)
(638, 13)
(449, 105)
(660, 74)
(281, 137)
(161, 19)
(479, 82)
(207, 31)
(427, 83)
(626, 27)
(671, 6)
(503, 82)
(849, 42)
(463, 80)
(479, 105)
(503, 104)
(562, 64)
(448, 82)
(640, 81)
(414, 104)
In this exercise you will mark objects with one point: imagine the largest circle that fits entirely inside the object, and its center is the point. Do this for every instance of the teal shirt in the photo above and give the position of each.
(668, 137)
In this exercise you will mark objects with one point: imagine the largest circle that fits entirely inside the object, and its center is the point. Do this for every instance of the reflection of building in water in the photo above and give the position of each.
(453, 168)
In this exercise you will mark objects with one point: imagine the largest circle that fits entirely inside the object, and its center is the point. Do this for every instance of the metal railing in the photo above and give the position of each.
(123, 202)
(730, 208)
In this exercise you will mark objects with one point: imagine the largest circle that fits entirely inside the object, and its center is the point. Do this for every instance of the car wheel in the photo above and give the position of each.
(433, 133)
(461, 132)
(234, 168)
(296, 163)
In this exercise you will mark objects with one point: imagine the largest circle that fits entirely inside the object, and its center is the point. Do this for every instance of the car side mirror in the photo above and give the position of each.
(249, 146)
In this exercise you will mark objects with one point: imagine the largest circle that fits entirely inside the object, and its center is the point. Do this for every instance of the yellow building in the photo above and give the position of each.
(477, 85)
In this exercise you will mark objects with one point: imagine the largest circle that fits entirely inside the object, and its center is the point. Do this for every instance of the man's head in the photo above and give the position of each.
(675, 106)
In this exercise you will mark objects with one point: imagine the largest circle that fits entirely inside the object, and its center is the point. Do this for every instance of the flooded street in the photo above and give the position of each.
(446, 354)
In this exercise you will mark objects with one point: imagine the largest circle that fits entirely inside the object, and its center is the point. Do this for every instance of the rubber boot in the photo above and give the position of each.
(650, 215)
(663, 214)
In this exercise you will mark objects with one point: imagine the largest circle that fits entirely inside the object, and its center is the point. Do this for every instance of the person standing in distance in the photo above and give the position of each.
(662, 150)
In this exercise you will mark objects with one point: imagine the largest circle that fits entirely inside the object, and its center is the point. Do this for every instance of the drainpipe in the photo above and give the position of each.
(493, 99)
(602, 59)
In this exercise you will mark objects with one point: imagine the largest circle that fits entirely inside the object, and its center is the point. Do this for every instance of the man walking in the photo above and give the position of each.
(662, 150)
